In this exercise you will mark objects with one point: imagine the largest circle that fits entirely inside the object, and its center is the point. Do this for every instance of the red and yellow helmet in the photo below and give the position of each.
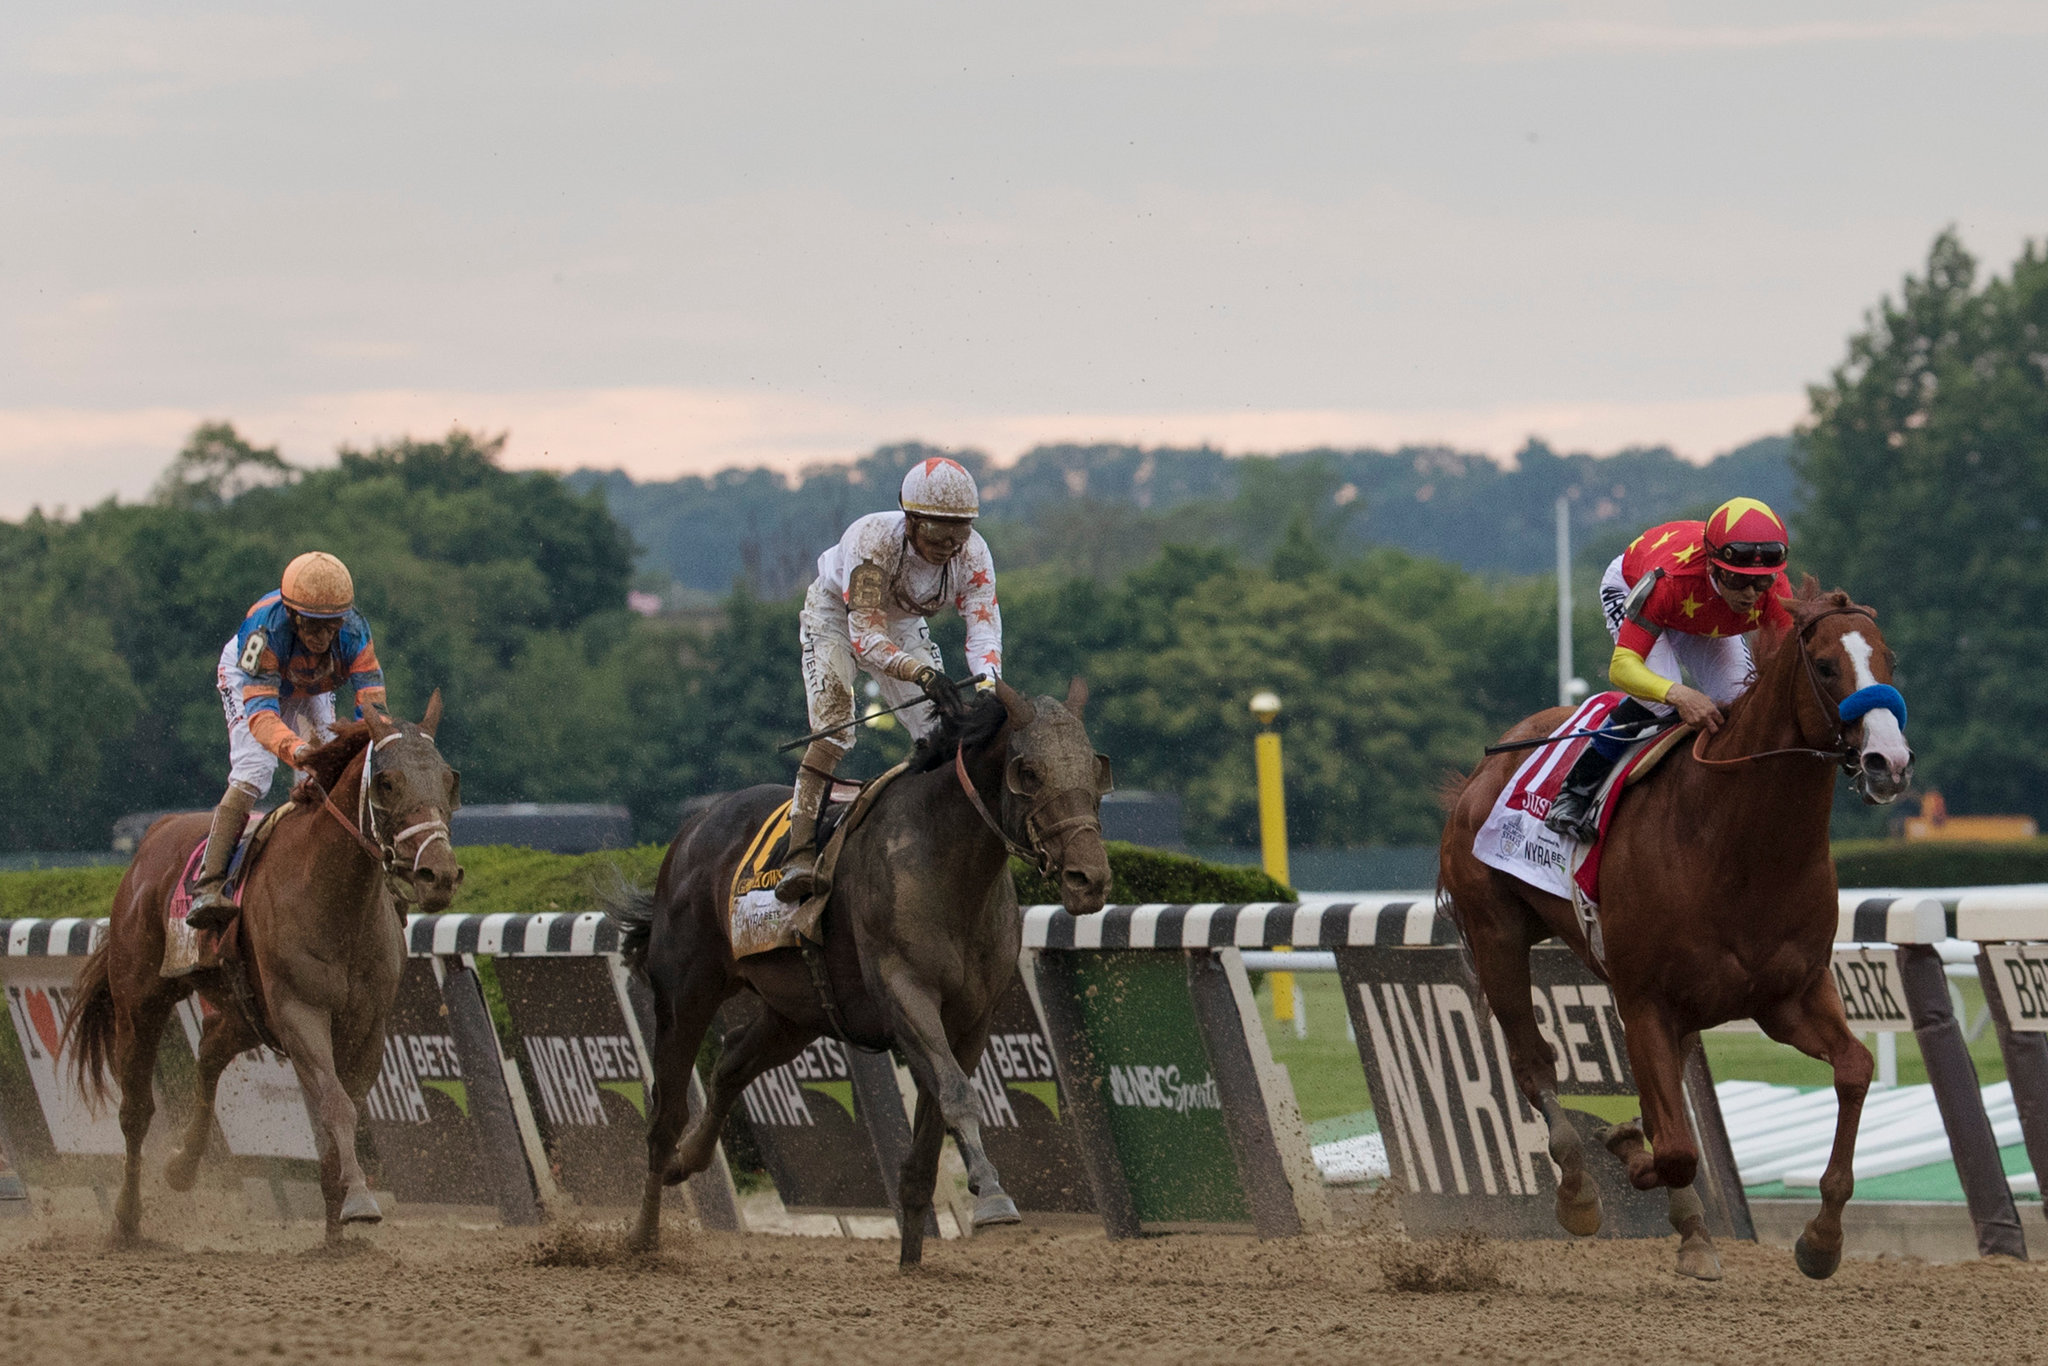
(1745, 537)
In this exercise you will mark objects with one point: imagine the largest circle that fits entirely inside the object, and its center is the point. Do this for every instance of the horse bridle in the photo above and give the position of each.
(1037, 830)
(1841, 753)
(389, 853)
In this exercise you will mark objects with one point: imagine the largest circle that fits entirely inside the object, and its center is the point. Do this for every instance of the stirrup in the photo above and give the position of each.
(1582, 825)
(799, 876)
(211, 910)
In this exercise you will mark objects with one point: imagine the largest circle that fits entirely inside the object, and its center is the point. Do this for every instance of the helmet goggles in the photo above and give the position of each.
(1753, 557)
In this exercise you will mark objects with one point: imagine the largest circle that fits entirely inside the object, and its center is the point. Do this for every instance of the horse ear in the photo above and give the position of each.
(1077, 695)
(1022, 713)
(379, 724)
(431, 722)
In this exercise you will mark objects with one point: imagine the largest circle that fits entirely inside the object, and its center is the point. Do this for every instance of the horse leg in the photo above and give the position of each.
(304, 1030)
(137, 1033)
(1814, 1024)
(226, 1035)
(676, 1040)
(919, 1177)
(1657, 1053)
(767, 1040)
(1501, 957)
(918, 1027)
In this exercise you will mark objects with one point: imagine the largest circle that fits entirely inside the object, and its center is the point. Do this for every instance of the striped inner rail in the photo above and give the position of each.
(1987, 914)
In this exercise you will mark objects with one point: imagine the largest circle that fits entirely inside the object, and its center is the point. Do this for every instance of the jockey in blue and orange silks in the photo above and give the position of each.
(277, 677)
(1682, 596)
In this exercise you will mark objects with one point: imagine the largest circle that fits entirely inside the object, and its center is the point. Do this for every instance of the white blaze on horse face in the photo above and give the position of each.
(1880, 728)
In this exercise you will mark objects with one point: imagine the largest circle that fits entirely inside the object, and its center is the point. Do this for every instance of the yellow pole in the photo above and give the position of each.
(1273, 845)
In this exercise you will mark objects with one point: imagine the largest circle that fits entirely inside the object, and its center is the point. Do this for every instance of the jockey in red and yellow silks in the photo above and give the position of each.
(1681, 597)
(277, 677)
(866, 614)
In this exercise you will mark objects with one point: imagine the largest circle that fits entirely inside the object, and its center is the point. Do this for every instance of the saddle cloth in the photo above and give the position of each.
(1515, 839)
(757, 920)
(183, 950)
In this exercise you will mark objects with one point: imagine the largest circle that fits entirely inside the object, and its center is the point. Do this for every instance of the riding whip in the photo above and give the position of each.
(803, 740)
(1632, 733)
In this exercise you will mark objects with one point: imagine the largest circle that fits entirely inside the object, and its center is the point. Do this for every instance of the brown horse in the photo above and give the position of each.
(319, 932)
(921, 935)
(1717, 903)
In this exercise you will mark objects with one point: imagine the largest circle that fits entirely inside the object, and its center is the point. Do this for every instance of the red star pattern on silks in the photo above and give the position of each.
(984, 614)
(980, 579)
(1685, 556)
(994, 659)
(1691, 605)
(1714, 634)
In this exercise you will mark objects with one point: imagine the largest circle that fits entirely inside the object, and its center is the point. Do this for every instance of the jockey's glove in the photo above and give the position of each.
(943, 692)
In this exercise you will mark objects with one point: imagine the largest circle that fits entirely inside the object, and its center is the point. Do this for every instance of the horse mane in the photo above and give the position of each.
(328, 760)
(973, 726)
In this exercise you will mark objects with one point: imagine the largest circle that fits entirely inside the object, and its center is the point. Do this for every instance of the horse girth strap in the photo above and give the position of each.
(1840, 753)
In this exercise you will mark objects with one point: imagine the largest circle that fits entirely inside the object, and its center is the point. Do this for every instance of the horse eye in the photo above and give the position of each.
(1827, 668)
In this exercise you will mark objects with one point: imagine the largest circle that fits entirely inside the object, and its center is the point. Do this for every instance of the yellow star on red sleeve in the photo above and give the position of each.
(1691, 605)
(1658, 544)
(1685, 556)
(1756, 613)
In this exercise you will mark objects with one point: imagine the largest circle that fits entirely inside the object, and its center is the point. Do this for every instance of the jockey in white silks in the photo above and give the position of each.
(866, 614)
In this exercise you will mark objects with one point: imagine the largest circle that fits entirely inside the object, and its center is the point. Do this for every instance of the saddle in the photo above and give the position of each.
(1515, 840)
(187, 950)
(757, 920)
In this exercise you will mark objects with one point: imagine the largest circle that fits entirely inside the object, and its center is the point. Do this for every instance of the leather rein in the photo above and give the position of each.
(388, 856)
(1841, 753)
(1036, 854)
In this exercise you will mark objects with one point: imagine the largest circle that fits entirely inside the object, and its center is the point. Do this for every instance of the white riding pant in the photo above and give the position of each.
(251, 767)
(830, 669)
(1720, 666)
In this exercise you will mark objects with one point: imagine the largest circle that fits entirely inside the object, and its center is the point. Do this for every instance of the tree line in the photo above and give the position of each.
(1923, 489)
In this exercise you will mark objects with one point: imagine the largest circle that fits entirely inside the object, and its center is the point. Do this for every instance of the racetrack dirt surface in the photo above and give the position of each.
(426, 1292)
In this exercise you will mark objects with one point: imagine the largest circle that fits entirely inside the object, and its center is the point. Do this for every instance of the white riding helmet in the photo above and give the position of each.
(939, 487)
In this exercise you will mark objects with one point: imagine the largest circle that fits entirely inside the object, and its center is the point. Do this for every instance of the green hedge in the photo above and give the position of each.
(1940, 863)
(499, 878)
(1139, 875)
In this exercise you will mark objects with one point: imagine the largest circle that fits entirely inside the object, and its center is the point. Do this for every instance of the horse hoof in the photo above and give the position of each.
(360, 1208)
(1813, 1263)
(1582, 1219)
(995, 1209)
(1697, 1259)
(181, 1173)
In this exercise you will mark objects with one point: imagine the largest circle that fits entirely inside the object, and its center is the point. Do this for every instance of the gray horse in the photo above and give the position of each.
(921, 936)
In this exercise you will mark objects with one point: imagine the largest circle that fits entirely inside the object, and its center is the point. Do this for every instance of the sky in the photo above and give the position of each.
(674, 237)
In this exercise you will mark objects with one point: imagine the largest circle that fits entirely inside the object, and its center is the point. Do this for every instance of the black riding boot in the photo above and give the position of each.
(1572, 814)
(211, 909)
(813, 781)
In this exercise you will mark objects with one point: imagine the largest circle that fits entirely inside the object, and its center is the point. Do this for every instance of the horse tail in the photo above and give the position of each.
(630, 907)
(89, 1033)
(1450, 787)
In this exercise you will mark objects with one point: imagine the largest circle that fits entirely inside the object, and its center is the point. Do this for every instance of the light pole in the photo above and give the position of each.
(1265, 705)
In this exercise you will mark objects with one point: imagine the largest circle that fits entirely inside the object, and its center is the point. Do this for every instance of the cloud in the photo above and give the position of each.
(74, 457)
(180, 53)
(1543, 39)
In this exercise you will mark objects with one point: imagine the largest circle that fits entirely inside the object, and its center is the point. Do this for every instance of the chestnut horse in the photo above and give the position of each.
(921, 936)
(321, 937)
(1717, 903)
